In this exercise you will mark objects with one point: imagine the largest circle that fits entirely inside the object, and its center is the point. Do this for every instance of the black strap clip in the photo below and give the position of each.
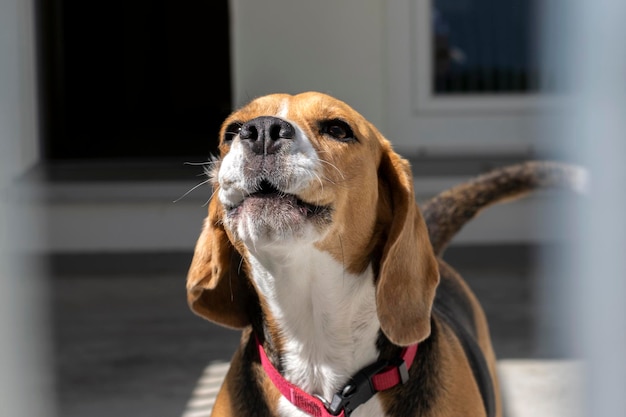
(360, 388)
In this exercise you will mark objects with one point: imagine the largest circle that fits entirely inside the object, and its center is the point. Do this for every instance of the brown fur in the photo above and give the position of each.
(408, 273)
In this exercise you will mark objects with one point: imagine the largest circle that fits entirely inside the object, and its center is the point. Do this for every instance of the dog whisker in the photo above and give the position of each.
(343, 177)
(200, 163)
(209, 167)
(192, 189)
(210, 198)
(314, 174)
(321, 179)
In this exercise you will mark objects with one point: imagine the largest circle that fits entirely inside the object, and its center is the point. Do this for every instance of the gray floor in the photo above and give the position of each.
(126, 344)
(129, 346)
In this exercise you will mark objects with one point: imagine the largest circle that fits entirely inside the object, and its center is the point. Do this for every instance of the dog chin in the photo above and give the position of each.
(279, 218)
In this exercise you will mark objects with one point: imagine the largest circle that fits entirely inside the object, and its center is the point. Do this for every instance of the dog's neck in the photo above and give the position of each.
(323, 319)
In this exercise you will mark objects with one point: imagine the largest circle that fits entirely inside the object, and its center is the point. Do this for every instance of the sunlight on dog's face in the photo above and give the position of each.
(290, 166)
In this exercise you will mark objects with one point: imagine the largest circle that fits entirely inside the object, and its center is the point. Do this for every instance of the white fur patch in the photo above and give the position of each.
(327, 317)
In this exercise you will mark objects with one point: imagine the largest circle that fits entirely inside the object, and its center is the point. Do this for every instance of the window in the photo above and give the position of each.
(463, 77)
(476, 55)
(483, 47)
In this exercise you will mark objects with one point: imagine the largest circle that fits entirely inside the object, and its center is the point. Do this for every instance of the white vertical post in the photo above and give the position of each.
(585, 42)
(25, 379)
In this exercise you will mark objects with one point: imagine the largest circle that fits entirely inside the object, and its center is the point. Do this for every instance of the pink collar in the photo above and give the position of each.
(379, 376)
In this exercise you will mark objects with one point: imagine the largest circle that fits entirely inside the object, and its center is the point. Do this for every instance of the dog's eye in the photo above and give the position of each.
(231, 131)
(338, 130)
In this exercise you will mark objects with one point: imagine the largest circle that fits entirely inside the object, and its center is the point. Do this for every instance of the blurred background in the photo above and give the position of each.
(110, 109)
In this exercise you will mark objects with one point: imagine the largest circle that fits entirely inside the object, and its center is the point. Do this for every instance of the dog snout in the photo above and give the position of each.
(266, 134)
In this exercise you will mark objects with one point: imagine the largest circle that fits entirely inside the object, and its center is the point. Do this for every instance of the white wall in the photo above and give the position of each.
(336, 47)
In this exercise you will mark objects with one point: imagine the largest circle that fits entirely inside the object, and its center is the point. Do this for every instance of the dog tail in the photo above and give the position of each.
(448, 212)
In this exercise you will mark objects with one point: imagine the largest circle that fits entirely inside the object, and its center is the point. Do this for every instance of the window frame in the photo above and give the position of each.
(418, 123)
(425, 100)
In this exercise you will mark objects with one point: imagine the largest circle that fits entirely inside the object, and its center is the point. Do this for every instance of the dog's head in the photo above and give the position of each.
(309, 170)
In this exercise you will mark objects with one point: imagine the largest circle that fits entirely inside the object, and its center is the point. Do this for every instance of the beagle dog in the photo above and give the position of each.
(315, 247)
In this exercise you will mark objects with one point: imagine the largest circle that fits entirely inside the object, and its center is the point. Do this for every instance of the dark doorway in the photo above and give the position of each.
(133, 79)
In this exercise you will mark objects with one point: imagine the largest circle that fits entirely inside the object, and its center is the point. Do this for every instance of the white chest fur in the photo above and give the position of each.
(327, 318)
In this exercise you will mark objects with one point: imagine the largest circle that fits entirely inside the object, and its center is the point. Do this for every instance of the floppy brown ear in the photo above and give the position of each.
(217, 287)
(409, 273)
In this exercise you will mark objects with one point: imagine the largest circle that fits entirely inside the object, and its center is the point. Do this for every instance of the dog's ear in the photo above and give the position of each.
(217, 286)
(408, 274)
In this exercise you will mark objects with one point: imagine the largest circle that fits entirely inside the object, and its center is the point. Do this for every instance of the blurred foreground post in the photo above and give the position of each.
(585, 54)
(25, 377)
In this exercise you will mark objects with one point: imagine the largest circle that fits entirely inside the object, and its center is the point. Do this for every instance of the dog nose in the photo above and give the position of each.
(266, 134)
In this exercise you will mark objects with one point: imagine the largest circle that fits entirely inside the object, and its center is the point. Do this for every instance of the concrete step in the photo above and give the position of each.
(546, 388)
(530, 388)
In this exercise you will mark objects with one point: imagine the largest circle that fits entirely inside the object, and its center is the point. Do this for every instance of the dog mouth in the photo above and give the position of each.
(267, 199)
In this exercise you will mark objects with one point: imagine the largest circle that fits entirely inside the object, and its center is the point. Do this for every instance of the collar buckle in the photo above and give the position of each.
(359, 390)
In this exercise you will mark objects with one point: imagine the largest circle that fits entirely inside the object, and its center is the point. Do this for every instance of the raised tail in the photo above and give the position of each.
(448, 212)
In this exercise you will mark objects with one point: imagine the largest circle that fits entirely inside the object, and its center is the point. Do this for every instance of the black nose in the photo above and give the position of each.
(266, 134)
